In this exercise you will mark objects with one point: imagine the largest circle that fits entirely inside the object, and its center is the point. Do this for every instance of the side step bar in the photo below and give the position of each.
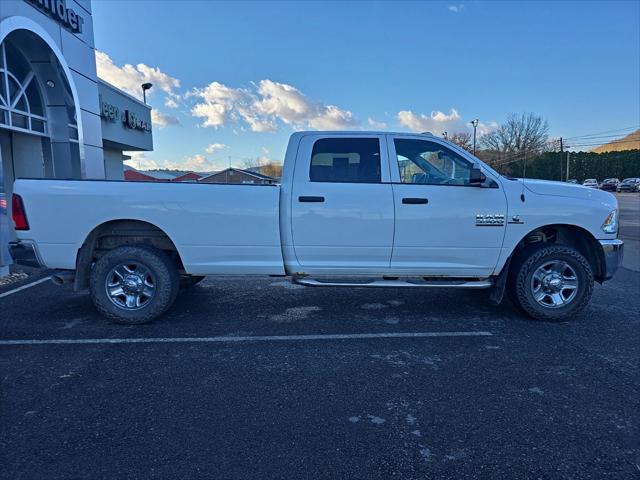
(417, 282)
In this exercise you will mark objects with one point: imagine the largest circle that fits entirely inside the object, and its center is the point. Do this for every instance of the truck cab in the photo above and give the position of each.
(389, 203)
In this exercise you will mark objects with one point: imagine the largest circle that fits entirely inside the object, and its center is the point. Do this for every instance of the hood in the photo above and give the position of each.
(562, 189)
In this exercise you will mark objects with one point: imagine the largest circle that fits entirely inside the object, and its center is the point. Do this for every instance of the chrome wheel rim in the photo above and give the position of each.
(554, 284)
(130, 286)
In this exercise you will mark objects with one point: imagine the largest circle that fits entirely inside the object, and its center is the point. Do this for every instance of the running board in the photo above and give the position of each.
(417, 282)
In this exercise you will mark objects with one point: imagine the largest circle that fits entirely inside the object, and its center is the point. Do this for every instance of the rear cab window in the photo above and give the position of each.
(346, 160)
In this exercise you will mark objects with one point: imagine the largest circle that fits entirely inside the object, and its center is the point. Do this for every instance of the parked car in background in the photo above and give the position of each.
(572, 180)
(629, 185)
(610, 184)
(590, 183)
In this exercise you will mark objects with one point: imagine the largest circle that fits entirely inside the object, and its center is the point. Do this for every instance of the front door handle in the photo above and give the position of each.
(415, 201)
(311, 199)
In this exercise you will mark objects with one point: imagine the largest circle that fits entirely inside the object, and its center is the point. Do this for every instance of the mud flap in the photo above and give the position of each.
(497, 292)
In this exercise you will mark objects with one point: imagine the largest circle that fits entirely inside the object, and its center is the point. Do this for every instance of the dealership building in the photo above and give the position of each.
(57, 118)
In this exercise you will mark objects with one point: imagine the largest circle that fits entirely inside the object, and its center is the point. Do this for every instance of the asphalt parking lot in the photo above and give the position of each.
(360, 383)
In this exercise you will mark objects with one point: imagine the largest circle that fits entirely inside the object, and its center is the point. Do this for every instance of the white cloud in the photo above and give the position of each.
(436, 123)
(439, 122)
(256, 121)
(197, 163)
(266, 105)
(375, 124)
(161, 120)
(171, 102)
(484, 128)
(140, 161)
(129, 77)
(282, 101)
(214, 147)
(456, 8)
(331, 117)
(214, 114)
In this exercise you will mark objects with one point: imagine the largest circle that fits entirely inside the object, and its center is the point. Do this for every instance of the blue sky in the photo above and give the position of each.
(235, 79)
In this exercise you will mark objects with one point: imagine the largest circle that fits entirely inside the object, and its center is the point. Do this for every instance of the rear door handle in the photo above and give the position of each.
(311, 199)
(415, 201)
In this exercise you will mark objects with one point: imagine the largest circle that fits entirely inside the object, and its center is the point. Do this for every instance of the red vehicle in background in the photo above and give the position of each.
(610, 184)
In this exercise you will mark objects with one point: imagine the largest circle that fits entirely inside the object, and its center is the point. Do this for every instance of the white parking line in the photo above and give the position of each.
(24, 287)
(266, 338)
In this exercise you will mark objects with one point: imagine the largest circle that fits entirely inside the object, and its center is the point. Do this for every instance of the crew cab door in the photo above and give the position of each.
(444, 225)
(342, 204)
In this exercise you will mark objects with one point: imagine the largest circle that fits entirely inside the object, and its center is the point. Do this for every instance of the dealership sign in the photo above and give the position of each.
(128, 118)
(57, 9)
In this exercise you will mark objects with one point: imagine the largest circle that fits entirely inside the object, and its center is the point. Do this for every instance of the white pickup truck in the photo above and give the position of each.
(354, 209)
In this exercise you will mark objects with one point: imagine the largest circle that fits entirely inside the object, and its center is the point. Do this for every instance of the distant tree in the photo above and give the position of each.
(519, 134)
(462, 139)
(263, 166)
(272, 169)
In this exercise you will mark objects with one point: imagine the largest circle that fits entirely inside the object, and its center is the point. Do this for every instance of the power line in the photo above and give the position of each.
(614, 142)
(600, 133)
(597, 137)
(511, 155)
(588, 141)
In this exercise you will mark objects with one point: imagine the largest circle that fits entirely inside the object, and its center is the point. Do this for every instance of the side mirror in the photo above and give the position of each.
(476, 177)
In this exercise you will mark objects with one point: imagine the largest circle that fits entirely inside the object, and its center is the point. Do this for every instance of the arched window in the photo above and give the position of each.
(21, 105)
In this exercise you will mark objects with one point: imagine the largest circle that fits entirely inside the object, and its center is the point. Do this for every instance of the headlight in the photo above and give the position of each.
(610, 224)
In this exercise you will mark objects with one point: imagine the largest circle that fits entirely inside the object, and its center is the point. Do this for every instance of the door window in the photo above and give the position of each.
(345, 160)
(429, 163)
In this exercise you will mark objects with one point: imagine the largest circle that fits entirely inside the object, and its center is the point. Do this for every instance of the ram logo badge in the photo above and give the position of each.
(489, 220)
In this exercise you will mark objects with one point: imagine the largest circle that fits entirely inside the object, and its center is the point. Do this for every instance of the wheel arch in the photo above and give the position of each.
(571, 235)
(117, 232)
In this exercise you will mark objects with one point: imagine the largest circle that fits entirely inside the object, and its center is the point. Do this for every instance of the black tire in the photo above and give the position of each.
(161, 270)
(521, 281)
(188, 281)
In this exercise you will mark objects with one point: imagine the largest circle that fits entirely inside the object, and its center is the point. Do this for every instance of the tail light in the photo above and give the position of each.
(18, 213)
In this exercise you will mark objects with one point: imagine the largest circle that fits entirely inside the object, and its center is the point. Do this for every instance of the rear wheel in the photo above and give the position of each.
(551, 282)
(133, 284)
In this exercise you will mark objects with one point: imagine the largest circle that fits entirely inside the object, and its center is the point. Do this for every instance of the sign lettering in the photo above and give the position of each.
(58, 10)
(128, 118)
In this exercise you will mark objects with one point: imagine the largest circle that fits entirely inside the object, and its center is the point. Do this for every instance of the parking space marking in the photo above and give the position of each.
(24, 287)
(265, 338)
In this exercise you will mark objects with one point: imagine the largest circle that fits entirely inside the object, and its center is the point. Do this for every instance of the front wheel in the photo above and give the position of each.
(551, 282)
(133, 284)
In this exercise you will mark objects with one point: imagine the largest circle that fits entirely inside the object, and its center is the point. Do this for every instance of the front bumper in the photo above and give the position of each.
(613, 251)
(25, 254)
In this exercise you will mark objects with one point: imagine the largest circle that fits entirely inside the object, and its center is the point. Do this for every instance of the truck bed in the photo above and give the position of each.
(216, 228)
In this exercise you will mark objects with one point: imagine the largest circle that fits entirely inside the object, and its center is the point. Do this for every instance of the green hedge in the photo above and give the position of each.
(582, 165)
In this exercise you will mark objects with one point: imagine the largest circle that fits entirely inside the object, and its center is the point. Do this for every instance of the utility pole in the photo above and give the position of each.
(561, 155)
(475, 126)
(567, 169)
